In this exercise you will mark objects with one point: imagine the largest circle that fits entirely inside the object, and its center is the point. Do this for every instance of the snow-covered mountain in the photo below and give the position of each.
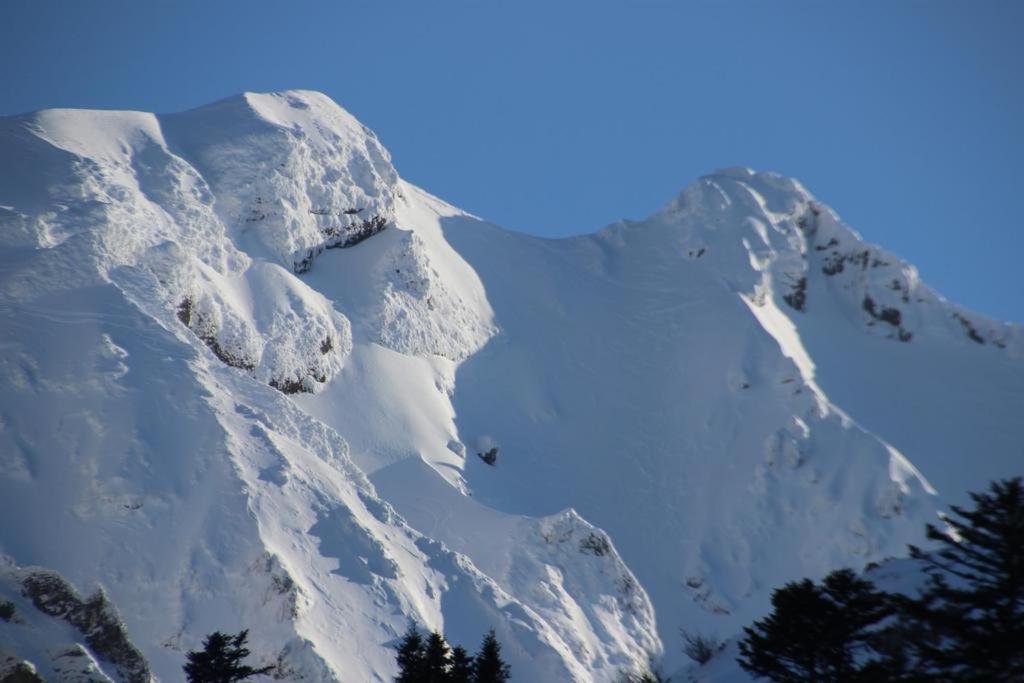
(248, 372)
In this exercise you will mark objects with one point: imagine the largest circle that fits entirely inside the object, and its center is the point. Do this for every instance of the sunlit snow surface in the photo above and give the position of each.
(689, 410)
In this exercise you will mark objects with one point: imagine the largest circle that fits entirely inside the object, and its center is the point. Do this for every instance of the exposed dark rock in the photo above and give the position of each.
(885, 314)
(206, 332)
(595, 544)
(339, 236)
(296, 384)
(835, 263)
(808, 221)
(971, 330)
(306, 262)
(833, 266)
(797, 298)
(288, 385)
(95, 617)
(353, 235)
(490, 457)
(257, 213)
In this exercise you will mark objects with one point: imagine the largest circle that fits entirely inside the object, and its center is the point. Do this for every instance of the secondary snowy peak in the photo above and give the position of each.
(631, 383)
(770, 237)
(890, 352)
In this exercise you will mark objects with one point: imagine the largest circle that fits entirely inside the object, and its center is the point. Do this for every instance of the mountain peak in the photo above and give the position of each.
(289, 109)
(216, 414)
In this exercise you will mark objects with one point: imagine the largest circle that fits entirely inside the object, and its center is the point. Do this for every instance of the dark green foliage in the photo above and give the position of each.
(221, 660)
(490, 668)
(967, 624)
(970, 617)
(411, 652)
(436, 659)
(462, 666)
(21, 672)
(894, 665)
(434, 662)
(816, 632)
(7, 610)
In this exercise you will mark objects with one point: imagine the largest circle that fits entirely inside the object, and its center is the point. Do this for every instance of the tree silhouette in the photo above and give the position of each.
(970, 616)
(462, 666)
(489, 667)
(816, 633)
(410, 657)
(220, 660)
(436, 659)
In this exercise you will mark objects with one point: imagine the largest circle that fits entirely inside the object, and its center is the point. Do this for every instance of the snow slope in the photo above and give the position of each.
(250, 369)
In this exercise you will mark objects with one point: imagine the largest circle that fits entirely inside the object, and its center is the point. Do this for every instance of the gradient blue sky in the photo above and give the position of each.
(559, 117)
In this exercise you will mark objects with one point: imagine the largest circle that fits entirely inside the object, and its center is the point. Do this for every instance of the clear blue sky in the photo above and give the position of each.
(559, 117)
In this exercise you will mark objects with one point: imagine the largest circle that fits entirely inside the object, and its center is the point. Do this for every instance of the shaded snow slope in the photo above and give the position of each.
(942, 384)
(637, 388)
(250, 372)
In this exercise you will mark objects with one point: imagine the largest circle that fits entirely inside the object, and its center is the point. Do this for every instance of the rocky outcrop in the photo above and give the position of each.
(94, 617)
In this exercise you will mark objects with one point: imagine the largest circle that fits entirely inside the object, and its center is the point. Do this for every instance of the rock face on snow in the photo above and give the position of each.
(248, 370)
(64, 636)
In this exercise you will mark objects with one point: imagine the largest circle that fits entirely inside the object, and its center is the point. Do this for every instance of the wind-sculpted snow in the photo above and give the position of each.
(143, 450)
(419, 314)
(289, 171)
(255, 380)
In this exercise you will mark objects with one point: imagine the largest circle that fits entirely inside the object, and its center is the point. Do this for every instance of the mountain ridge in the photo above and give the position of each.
(665, 386)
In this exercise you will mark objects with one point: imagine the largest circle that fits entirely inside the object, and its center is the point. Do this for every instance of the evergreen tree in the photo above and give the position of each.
(436, 659)
(220, 660)
(970, 616)
(410, 657)
(853, 633)
(489, 667)
(816, 633)
(895, 663)
(462, 666)
(781, 646)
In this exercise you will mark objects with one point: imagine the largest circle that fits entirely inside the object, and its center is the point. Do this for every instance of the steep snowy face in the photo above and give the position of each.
(678, 376)
(776, 225)
(120, 199)
(632, 383)
(939, 382)
(185, 297)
